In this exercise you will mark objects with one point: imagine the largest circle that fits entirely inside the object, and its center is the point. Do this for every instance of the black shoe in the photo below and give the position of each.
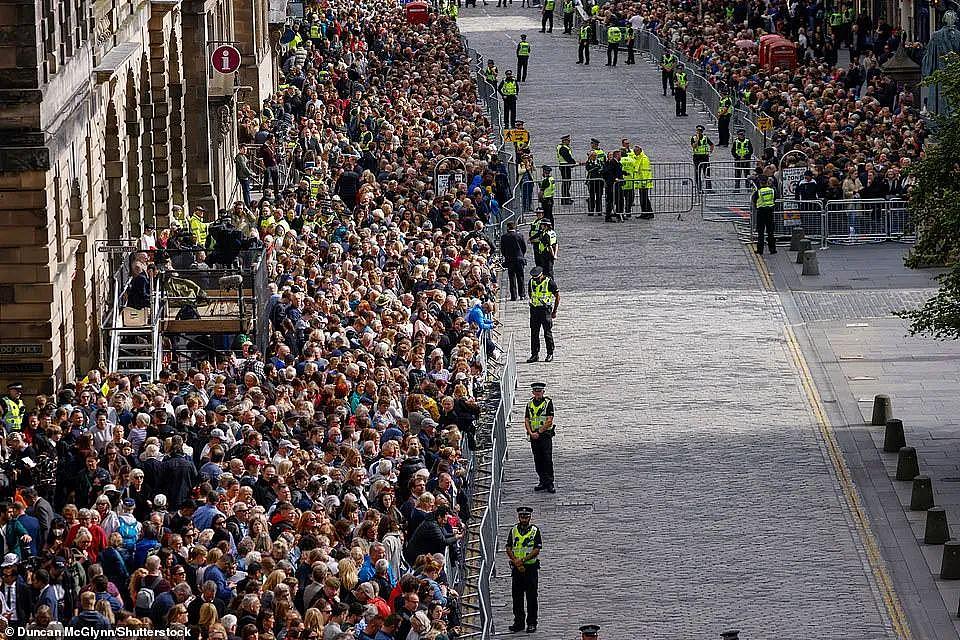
(513, 299)
(759, 253)
(533, 359)
(549, 358)
(608, 219)
(539, 487)
(516, 628)
(531, 628)
(586, 63)
(551, 489)
(773, 251)
(522, 298)
(579, 62)
(542, 31)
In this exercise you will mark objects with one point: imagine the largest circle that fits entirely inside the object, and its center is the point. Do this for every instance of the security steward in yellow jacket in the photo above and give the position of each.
(13, 408)
(643, 181)
(538, 421)
(546, 247)
(198, 227)
(523, 549)
(544, 296)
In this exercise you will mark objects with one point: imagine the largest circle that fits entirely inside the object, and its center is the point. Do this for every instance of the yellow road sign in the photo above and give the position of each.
(516, 135)
(765, 123)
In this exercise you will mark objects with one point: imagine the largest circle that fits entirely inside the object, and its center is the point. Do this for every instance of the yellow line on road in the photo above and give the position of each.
(761, 267)
(877, 565)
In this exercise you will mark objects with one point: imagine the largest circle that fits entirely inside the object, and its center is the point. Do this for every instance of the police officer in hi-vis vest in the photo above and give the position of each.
(742, 151)
(547, 16)
(523, 549)
(583, 51)
(544, 301)
(680, 90)
(508, 89)
(568, 16)
(765, 200)
(523, 57)
(12, 408)
(538, 421)
(668, 62)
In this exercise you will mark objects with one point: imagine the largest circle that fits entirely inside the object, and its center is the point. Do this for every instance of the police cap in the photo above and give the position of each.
(699, 127)
(536, 272)
(589, 631)
(740, 131)
(594, 141)
(538, 386)
(524, 511)
(523, 36)
(15, 386)
(546, 221)
(566, 137)
(547, 168)
(519, 123)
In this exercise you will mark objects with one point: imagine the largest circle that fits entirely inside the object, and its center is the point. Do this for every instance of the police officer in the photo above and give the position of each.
(566, 162)
(590, 632)
(548, 188)
(668, 62)
(523, 57)
(614, 35)
(594, 165)
(547, 15)
(765, 201)
(583, 51)
(702, 147)
(523, 549)
(491, 73)
(546, 247)
(509, 89)
(629, 38)
(13, 407)
(612, 174)
(568, 16)
(742, 151)
(513, 248)
(680, 90)
(544, 302)
(538, 421)
(724, 113)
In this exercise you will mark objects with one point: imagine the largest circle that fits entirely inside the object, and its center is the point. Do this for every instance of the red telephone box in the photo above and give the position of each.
(781, 53)
(765, 42)
(417, 12)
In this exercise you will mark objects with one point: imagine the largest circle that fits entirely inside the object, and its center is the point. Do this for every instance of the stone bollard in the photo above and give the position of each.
(796, 235)
(950, 565)
(805, 245)
(908, 467)
(732, 634)
(882, 411)
(937, 530)
(921, 498)
(810, 265)
(893, 438)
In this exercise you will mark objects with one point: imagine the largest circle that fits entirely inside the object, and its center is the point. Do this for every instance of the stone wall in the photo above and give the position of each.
(93, 146)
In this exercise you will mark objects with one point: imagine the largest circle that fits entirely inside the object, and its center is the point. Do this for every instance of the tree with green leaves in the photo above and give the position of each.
(935, 210)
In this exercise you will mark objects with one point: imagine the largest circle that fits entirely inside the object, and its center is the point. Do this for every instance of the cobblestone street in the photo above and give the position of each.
(694, 492)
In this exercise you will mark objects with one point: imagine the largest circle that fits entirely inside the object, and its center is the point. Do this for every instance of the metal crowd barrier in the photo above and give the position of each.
(853, 221)
(666, 195)
(725, 190)
(859, 221)
(487, 471)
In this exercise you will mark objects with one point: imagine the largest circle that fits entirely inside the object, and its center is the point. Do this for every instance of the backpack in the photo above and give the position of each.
(128, 531)
(146, 597)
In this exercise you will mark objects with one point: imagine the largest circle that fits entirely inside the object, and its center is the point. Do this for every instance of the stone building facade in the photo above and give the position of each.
(108, 118)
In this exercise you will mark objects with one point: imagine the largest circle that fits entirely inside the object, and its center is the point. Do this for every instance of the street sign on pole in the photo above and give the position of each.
(225, 59)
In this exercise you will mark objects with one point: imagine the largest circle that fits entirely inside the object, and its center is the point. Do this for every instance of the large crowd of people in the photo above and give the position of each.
(316, 487)
(852, 122)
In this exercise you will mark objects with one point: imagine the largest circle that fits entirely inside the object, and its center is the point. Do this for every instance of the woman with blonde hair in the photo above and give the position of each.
(312, 622)
(207, 618)
(275, 578)
(103, 608)
(260, 534)
(348, 573)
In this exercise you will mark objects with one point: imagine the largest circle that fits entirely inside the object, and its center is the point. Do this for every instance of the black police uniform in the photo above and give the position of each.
(513, 248)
